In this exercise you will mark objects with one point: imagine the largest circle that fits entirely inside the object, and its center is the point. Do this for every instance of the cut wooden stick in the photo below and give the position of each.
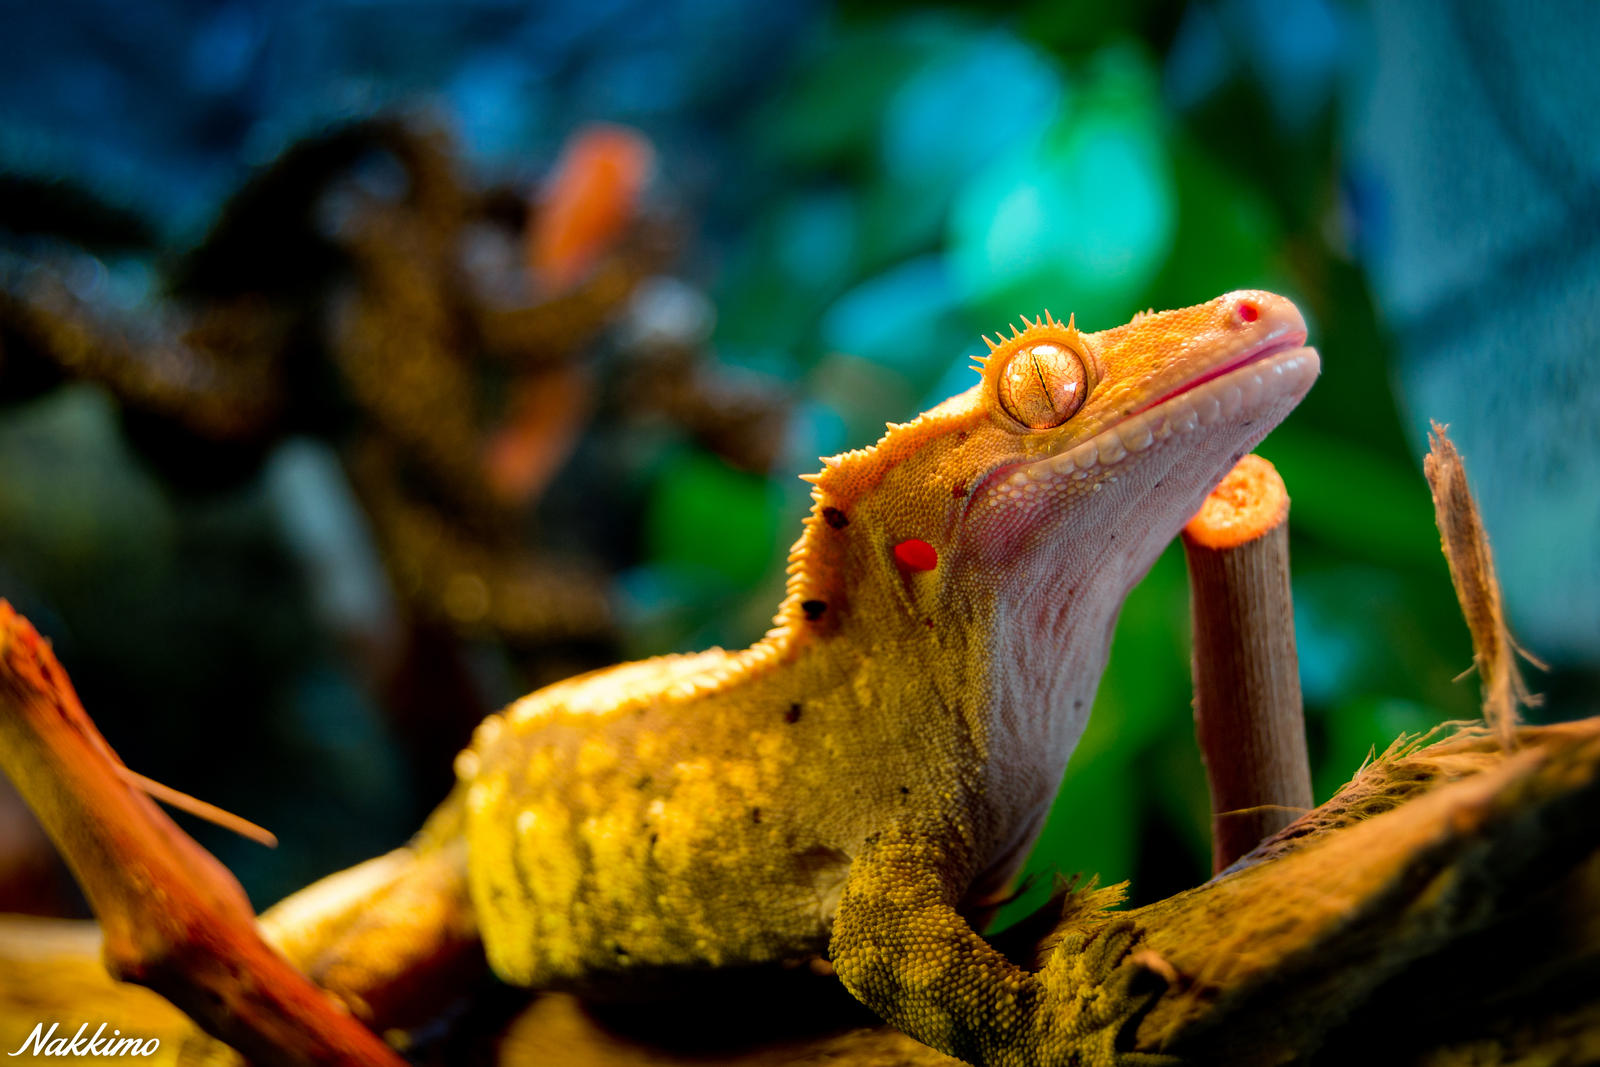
(1247, 711)
(173, 917)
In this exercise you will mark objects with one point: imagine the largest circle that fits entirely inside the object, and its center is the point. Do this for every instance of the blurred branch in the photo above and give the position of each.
(173, 918)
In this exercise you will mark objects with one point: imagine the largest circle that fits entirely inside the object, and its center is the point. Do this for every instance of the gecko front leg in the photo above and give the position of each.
(901, 946)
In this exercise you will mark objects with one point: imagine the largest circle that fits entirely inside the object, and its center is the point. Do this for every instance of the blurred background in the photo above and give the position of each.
(364, 365)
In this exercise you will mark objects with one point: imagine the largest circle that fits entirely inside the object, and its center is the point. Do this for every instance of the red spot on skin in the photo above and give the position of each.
(916, 555)
(958, 490)
(1248, 312)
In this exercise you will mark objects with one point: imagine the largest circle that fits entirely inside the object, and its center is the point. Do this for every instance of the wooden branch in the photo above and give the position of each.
(1246, 675)
(173, 917)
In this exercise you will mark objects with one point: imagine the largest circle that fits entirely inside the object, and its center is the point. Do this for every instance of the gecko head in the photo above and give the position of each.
(1101, 446)
(1060, 475)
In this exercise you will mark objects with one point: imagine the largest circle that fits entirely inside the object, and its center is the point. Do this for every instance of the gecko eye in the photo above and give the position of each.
(1043, 386)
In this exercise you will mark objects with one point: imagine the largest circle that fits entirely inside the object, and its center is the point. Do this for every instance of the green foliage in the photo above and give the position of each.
(1080, 217)
(711, 521)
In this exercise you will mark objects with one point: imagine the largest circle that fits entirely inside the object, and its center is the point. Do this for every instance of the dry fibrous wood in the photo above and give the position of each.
(1466, 549)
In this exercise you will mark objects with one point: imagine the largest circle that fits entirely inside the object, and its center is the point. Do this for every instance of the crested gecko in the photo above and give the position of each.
(876, 768)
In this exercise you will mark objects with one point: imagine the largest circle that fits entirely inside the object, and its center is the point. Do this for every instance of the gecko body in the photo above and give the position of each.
(875, 769)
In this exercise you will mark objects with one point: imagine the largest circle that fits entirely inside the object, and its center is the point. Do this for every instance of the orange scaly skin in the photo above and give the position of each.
(881, 762)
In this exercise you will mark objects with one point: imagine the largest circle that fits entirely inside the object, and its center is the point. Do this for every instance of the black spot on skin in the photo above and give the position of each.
(813, 609)
(905, 790)
(928, 623)
(1078, 703)
(755, 816)
(619, 950)
(653, 838)
(792, 716)
(643, 783)
(835, 518)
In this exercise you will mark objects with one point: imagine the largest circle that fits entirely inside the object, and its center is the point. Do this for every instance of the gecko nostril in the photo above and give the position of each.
(1247, 311)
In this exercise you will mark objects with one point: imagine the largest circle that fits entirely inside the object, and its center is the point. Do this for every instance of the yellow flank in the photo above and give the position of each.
(661, 834)
(878, 765)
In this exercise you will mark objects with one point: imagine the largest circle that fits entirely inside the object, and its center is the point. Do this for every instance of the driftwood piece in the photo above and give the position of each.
(1247, 710)
(1445, 896)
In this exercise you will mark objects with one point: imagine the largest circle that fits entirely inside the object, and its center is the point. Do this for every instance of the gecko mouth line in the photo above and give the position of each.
(1250, 357)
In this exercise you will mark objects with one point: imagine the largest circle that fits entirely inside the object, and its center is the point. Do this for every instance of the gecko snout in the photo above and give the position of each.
(1267, 315)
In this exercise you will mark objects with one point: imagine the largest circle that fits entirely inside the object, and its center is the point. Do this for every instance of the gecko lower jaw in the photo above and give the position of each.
(1228, 397)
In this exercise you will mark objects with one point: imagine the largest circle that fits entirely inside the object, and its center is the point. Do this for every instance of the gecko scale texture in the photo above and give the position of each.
(877, 767)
